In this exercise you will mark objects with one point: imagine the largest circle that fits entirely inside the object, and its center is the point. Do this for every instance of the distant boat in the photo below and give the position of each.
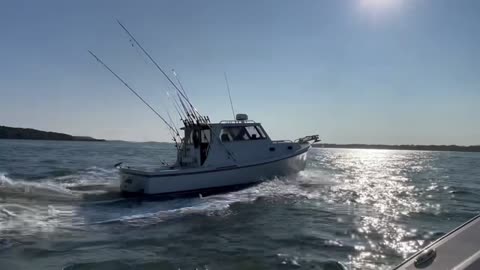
(220, 155)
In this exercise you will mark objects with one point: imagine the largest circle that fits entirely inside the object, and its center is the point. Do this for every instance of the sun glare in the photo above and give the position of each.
(379, 5)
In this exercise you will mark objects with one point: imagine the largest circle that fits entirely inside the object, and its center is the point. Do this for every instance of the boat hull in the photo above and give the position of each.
(219, 178)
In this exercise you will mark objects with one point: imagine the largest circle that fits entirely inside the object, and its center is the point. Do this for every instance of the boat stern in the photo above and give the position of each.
(130, 183)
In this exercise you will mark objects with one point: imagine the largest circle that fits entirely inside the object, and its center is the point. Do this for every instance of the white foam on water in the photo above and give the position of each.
(19, 219)
(30, 189)
(28, 207)
(90, 177)
(153, 212)
(65, 205)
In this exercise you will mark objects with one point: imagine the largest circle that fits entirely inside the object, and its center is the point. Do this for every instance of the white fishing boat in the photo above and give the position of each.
(211, 156)
(220, 155)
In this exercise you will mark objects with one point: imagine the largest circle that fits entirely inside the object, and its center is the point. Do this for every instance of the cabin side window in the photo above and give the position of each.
(228, 134)
(242, 133)
(225, 135)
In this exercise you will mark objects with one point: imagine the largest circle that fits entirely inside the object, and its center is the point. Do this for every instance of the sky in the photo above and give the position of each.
(352, 71)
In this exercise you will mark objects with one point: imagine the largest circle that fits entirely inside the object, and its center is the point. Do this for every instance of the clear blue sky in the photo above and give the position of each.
(352, 71)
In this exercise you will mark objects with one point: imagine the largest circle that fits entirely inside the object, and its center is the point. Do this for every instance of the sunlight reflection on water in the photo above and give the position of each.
(378, 184)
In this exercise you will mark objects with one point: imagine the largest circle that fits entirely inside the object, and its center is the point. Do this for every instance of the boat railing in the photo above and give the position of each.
(236, 121)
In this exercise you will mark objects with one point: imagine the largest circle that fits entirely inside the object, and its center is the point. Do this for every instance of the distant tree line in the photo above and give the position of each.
(33, 134)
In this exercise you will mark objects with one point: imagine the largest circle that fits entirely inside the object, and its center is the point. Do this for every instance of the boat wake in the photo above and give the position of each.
(33, 190)
(146, 212)
(88, 185)
(91, 198)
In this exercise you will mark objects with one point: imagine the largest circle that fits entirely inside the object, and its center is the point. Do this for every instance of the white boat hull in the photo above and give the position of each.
(184, 181)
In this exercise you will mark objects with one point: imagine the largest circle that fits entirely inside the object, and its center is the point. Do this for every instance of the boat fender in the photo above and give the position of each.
(425, 258)
(334, 265)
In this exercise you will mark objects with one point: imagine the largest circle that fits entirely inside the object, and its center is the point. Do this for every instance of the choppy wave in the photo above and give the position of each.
(91, 198)
(151, 212)
(367, 209)
(45, 205)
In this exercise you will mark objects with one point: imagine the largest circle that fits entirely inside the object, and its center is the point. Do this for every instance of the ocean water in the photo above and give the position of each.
(60, 208)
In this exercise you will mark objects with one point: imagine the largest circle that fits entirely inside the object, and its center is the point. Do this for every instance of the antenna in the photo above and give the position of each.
(229, 95)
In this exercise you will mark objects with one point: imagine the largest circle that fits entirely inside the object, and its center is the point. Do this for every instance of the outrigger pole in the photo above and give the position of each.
(196, 114)
(159, 68)
(133, 91)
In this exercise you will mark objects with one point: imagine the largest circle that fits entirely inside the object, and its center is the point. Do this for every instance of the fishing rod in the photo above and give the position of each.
(176, 106)
(200, 118)
(173, 124)
(155, 63)
(189, 113)
(184, 115)
(195, 115)
(171, 120)
(180, 83)
(229, 95)
(192, 111)
(174, 85)
(133, 91)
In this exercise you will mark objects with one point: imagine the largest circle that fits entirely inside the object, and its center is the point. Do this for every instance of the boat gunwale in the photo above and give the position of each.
(435, 243)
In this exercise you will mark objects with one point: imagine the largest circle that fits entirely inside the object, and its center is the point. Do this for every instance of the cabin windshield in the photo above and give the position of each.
(242, 133)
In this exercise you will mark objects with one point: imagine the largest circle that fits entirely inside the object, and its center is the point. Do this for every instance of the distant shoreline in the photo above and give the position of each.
(458, 148)
(14, 133)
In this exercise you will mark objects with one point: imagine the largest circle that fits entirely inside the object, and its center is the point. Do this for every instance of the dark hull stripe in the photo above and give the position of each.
(214, 170)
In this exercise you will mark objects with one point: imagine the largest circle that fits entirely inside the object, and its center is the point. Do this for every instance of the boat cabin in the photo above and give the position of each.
(228, 142)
